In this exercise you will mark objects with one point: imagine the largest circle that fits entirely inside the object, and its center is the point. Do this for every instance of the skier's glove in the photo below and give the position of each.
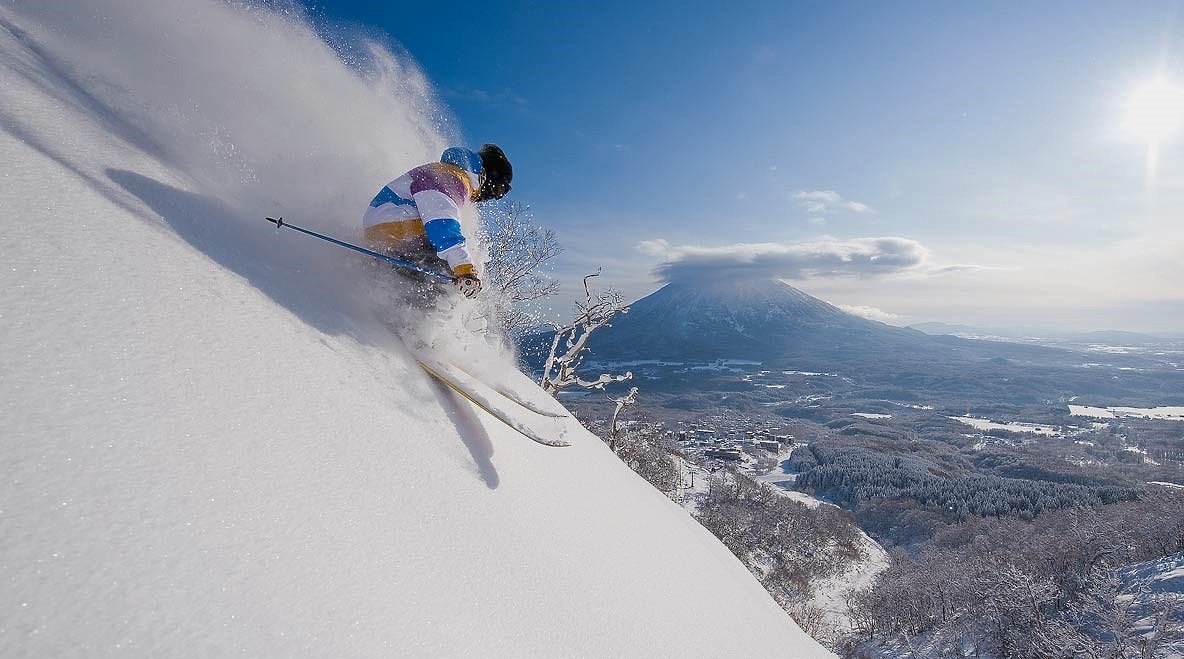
(468, 285)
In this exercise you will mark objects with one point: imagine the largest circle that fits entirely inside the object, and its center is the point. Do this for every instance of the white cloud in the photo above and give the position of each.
(965, 267)
(826, 196)
(871, 313)
(827, 257)
(828, 201)
(656, 247)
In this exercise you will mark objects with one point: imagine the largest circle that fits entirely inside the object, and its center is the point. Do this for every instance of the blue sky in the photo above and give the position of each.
(963, 162)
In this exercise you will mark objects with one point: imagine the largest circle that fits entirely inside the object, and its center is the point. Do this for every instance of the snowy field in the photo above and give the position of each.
(1162, 413)
(212, 442)
(1013, 426)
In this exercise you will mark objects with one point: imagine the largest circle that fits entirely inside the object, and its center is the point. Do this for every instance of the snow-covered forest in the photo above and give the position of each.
(980, 566)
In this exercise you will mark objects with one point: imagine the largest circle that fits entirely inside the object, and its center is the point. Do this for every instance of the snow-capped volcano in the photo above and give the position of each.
(742, 318)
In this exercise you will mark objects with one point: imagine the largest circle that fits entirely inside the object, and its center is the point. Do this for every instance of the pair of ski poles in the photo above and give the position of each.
(279, 222)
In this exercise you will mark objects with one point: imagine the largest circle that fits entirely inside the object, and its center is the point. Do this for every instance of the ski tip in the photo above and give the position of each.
(553, 441)
(466, 387)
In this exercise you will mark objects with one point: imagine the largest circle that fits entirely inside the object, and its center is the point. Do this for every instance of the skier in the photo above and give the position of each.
(416, 217)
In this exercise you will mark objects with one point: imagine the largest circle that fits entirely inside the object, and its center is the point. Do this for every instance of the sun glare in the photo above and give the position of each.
(1155, 112)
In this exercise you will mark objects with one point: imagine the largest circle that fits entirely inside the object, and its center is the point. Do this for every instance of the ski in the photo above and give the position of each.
(515, 396)
(487, 398)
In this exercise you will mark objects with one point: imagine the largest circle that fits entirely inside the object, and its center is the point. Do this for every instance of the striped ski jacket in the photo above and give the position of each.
(420, 210)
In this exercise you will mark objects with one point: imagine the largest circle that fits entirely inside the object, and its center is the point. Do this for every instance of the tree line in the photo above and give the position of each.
(854, 474)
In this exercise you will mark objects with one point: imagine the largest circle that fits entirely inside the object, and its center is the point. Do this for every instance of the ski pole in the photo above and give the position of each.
(279, 222)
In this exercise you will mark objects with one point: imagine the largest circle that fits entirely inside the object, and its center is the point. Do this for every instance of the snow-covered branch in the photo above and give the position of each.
(625, 401)
(517, 249)
(567, 347)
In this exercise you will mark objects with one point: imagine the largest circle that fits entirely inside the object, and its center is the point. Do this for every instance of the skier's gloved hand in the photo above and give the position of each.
(468, 285)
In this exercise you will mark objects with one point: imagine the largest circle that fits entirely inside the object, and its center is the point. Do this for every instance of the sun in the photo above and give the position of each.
(1155, 112)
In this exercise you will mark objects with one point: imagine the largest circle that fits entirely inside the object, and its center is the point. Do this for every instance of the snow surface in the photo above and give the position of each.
(1149, 588)
(1013, 426)
(213, 444)
(831, 594)
(1163, 413)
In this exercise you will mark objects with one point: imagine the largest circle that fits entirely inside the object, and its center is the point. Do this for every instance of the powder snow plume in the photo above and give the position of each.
(247, 108)
(250, 102)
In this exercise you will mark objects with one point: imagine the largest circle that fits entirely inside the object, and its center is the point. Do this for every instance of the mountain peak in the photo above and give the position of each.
(748, 317)
(747, 292)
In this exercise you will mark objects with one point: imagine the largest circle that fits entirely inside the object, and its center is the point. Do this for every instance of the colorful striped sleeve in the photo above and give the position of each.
(439, 195)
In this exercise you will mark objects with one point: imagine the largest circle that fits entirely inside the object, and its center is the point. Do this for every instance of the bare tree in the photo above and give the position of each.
(625, 401)
(567, 348)
(518, 248)
(650, 455)
(811, 619)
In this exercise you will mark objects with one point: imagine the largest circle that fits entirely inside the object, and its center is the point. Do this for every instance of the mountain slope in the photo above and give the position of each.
(744, 318)
(1154, 593)
(213, 444)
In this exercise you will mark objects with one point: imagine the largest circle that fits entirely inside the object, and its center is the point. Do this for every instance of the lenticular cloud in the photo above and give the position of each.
(824, 258)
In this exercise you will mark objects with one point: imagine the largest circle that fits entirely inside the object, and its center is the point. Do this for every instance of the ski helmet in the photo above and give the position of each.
(496, 173)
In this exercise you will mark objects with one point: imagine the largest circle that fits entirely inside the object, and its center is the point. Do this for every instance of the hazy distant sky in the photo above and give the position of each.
(955, 161)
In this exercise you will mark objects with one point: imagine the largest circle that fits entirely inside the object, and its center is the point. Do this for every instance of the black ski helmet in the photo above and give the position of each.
(496, 173)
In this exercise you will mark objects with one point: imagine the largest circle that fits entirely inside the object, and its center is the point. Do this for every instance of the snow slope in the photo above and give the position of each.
(1152, 589)
(210, 441)
(832, 594)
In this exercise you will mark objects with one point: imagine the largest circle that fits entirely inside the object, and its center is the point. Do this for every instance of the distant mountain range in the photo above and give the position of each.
(763, 320)
(678, 332)
(1106, 337)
